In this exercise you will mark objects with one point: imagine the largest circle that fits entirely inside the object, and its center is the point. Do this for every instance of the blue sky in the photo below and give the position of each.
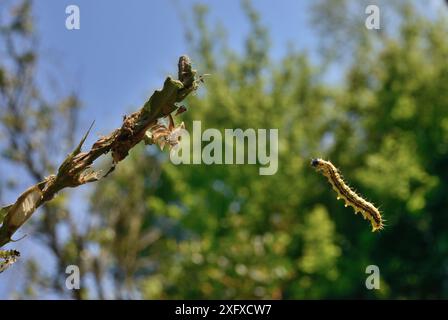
(124, 49)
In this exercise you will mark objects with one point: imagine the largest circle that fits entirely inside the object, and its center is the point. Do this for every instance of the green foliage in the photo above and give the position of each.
(241, 235)
(226, 232)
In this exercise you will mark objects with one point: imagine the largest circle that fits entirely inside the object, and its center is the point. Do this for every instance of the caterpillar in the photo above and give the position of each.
(351, 198)
(7, 258)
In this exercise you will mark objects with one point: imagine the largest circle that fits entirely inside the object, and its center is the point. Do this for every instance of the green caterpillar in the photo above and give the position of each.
(351, 198)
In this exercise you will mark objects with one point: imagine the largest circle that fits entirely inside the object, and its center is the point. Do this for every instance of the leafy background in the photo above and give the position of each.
(374, 102)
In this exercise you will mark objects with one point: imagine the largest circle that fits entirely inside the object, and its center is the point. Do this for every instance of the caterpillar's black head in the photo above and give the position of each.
(318, 164)
(315, 162)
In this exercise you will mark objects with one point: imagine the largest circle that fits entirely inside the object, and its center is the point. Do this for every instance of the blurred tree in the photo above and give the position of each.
(235, 234)
(31, 139)
(226, 232)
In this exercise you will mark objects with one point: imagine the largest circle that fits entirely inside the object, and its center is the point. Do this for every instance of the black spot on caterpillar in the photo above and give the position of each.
(351, 198)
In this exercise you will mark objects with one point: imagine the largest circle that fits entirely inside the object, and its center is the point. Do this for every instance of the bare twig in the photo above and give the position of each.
(76, 169)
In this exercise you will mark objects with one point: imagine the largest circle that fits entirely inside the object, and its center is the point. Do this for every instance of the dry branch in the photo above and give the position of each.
(76, 169)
